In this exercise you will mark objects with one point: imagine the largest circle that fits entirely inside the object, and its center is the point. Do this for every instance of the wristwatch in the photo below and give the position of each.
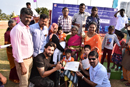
(82, 77)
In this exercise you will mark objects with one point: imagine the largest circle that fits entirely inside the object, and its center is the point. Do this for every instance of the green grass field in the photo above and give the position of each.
(4, 66)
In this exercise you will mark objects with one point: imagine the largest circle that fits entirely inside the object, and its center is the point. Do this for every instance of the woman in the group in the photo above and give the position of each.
(126, 64)
(74, 41)
(13, 74)
(60, 45)
(93, 18)
(93, 39)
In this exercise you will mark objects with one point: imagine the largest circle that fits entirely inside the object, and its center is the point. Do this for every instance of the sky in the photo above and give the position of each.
(8, 6)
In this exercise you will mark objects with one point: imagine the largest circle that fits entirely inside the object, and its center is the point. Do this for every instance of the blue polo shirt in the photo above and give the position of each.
(99, 76)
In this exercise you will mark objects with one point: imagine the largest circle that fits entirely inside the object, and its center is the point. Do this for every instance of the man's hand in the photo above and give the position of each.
(23, 70)
(79, 74)
(58, 66)
(95, 50)
(3, 79)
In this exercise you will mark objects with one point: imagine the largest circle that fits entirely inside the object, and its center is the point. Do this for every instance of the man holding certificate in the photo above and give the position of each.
(97, 72)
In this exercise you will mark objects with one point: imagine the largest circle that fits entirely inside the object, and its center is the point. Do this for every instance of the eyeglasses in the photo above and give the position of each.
(92, 59)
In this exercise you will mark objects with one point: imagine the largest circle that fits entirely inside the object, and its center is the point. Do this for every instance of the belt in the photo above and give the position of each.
(27, 58)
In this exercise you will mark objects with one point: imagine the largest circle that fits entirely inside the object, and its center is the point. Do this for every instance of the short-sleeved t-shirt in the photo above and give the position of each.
(40, 61)
(121, 21)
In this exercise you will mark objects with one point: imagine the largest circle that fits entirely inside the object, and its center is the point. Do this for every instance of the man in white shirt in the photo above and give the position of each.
(35, 17)
(28, 5)
(97, 72)
(79, 19)
(122, 20)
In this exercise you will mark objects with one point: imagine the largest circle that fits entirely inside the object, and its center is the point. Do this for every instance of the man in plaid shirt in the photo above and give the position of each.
(65, 21)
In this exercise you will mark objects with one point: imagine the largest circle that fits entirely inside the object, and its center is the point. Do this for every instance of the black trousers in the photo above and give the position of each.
(81, 82)
(117, 31)
(38, 81)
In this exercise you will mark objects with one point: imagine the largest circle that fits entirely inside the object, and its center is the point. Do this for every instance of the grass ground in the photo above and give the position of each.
(4, 66)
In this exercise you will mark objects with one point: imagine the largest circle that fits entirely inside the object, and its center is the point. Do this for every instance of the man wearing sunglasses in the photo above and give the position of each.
(97, 72)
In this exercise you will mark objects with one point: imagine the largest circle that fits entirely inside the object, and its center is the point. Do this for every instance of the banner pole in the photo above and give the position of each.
(90, 2)
(77, 2)
(36, 4)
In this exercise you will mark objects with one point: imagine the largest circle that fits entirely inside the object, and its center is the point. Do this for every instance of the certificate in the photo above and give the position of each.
(4, 46)
(73, 66)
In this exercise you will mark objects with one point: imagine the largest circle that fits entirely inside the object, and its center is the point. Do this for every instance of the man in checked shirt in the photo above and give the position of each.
(65, 21)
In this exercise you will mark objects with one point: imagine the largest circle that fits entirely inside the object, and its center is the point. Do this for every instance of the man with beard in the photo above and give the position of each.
(39, 33)
(21, 41)
(97, 72)
(122, 20)
(40, 72)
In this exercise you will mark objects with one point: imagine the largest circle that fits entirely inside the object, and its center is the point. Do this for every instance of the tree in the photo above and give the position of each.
(42, 10)
(4, 16)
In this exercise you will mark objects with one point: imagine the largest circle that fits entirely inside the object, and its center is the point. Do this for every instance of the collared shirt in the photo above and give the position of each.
(70, 59)
(79, 18)
(121, 21)
(40, 38)
(65, 23)
(98, 75)
(21, 41)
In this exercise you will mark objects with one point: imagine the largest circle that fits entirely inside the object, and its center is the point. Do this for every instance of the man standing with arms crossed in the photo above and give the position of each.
(22, 45)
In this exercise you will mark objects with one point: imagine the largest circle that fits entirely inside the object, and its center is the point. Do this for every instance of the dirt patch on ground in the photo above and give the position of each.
(3, 24)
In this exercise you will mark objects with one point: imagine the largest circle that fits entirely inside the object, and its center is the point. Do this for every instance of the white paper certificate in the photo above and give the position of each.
(4, 46)
(85, 63)
(73, 66)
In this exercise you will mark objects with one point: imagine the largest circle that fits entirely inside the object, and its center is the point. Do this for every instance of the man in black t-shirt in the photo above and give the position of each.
(40, 72)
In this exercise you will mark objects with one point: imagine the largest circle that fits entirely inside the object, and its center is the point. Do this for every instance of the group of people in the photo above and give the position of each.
(38, 52)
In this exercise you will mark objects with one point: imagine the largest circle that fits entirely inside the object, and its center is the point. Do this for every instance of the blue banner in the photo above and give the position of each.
(106, 14)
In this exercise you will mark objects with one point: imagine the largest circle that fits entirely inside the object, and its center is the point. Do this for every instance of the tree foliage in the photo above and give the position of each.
(42, 10)
(4, 16)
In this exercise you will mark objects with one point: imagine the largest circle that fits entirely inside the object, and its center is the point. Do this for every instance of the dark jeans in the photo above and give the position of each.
(81, 82)
(42, 82)
(108, 56)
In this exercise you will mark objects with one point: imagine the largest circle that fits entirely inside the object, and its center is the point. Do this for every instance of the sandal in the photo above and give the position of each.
(112, 67)
(122, 80)
(109, 70)
(116, 69)
(127, 84)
